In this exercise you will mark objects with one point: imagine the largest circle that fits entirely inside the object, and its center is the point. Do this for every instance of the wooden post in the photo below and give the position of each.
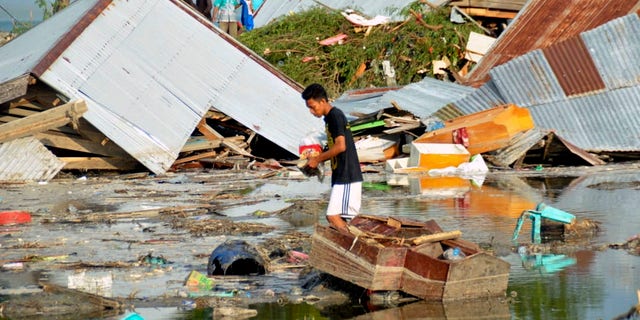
(437, 237)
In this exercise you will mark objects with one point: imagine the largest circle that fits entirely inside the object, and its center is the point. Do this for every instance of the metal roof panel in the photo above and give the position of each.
(615, 49)
(149, 73)
(541, 23)
(26, 160)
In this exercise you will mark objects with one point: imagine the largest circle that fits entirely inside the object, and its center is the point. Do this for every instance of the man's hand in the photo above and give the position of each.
(313, 162)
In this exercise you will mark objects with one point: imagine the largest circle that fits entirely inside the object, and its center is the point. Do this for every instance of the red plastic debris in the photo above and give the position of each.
(14, 217)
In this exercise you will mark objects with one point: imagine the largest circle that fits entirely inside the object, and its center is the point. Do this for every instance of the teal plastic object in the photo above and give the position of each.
(542, 211)
(554, 214)
(548, 263)
(133, 316)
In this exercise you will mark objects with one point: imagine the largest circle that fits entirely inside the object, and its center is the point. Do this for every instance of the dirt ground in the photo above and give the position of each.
(149, 232)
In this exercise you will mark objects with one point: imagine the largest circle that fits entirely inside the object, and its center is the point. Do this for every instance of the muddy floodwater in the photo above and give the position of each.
(110, 228)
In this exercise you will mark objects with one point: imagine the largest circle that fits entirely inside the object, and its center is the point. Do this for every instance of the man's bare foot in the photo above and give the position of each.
(338, 223)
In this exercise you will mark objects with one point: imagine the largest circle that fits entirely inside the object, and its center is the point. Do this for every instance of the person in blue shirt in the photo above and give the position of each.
(224, 13)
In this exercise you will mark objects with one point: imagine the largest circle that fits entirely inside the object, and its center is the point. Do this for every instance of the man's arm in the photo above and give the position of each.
(339, 146)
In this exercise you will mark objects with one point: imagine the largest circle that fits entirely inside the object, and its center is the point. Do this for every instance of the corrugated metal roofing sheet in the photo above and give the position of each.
(422, 98)
(480, 99)
(274, 9)
(544, 22)
(603, 119)
(20, 56)
(27, 159)
(604, 122)
(615, 50)
(573, 67)
(150, 69)
(527, 80)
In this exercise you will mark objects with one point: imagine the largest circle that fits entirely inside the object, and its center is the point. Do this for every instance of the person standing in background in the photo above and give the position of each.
(204, 6)
(224, 13)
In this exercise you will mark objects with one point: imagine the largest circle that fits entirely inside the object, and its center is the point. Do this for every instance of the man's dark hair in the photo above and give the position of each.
(314, 91)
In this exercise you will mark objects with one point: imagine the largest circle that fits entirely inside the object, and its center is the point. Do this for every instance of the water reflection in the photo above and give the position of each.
(572, 281)
(469, 309)
(547, 263)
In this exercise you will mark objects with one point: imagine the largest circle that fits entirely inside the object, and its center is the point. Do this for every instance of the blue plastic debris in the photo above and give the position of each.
(236, 257)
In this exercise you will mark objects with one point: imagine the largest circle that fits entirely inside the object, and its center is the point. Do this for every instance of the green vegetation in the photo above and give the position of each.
(48, 9)
(410, 46)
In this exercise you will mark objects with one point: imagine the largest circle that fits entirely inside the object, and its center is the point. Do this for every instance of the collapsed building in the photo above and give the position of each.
(108, 84)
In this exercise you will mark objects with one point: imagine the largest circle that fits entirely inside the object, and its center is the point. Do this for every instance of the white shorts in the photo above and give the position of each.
(345, 200)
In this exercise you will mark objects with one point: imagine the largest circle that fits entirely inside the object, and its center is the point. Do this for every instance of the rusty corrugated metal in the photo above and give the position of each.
(602, 120)
(544, 22)
(27, 160)
(573, 67)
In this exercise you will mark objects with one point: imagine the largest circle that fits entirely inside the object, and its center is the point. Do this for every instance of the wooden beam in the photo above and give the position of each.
(64, 141)
(196, 157)
(98, 163)
(212, 134)
(52, 118)
(200, 143)
(14, 88)
(489, 13)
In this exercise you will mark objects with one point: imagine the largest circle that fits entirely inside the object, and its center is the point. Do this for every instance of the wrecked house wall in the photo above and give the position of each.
(150, 70)
(586, 88)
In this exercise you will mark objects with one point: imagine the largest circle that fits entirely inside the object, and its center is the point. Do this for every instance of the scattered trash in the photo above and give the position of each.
(14, 217)
(100, 285)
(150, 259)
(337, 39)
(453, 254)
(13, 266)
(632, 245)
(236, 257)
(197, 281)
(234, 312)
(297, 256)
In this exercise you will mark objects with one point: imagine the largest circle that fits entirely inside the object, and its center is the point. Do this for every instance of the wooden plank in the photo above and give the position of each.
(88, 131)
(212, 134)
(68, 142)
(512, 5)
(196, 157)
(14, 88)
(43, 121)
(490, 13)
(200, 143)
(437, 237)
(98, 163)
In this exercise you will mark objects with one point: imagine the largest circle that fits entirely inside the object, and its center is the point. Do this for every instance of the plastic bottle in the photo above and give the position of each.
(453, 254)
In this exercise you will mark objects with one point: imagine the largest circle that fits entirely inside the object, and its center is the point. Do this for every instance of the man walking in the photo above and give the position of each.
(346, 176)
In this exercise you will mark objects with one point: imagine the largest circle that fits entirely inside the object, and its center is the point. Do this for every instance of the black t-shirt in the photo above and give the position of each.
(345, 167)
